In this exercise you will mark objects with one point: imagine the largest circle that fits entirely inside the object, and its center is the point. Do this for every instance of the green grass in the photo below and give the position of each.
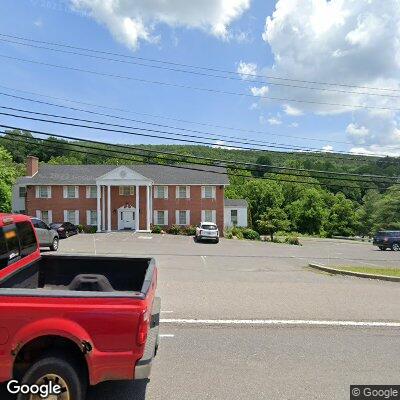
(371, 270)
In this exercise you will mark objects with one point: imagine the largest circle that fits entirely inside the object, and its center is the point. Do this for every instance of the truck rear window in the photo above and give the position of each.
(16, 241)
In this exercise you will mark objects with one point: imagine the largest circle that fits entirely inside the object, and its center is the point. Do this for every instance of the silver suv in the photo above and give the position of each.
(207, 231)
(47, 237)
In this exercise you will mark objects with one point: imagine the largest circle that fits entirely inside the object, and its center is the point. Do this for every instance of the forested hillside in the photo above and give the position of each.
(313, 193)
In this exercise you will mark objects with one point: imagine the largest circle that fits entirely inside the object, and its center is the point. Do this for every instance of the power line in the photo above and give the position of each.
(203, 89)
(204, 74)
(171, 165)
(204, 68)
(217, 126)
(232, 164)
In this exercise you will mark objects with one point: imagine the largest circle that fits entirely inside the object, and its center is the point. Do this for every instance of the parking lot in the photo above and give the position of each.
(212, 346)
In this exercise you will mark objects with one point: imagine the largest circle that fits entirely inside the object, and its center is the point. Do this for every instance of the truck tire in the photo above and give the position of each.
(57, 369)
(54, 244)
(396, 246)
(382, 248)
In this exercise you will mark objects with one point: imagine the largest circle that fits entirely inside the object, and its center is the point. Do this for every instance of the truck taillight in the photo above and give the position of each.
(143, 329)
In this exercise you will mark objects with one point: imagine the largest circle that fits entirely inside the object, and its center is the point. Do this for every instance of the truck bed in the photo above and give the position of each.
(81, 275)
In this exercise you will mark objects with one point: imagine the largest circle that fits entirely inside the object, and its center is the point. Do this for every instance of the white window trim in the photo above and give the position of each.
(203, 192)
(165, 192)
(187, 192)
(165, 217)
(213, 216)
(65, 192)
(38, 192)
(76, 222)
(88, 188)
(187, 217)
(39, 215)
(121, 190)
(88, 213)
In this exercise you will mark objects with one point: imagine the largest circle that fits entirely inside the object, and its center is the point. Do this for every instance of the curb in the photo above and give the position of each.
(357, 274)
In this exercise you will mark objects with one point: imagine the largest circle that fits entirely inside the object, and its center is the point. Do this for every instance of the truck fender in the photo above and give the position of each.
(52, 327)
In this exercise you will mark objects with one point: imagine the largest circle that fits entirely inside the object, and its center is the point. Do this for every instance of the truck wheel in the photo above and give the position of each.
(396, 247)
(59, 371)
(54, 245)
(382, 248)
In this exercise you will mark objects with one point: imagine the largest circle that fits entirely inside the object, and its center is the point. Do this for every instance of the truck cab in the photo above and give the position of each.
(72, 320)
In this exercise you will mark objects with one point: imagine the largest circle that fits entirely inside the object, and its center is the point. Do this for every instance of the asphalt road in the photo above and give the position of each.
(241, 280)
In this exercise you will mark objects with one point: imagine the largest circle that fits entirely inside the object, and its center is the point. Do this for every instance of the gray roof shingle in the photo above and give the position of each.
(235, 203)
(159, 174)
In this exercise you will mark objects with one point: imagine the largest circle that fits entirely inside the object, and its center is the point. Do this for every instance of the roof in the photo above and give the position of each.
(235, 203)
(159, 174)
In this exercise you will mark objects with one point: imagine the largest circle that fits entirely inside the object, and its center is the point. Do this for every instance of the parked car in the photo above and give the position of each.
(70, 319)
(46, 235)
(65, 229)
(207, 231)
(387, 240)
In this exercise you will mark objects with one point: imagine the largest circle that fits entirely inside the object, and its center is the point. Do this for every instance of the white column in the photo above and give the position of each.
(98, 209)
(103, 208)
(137, 214)
(108, 208)
(148, 209)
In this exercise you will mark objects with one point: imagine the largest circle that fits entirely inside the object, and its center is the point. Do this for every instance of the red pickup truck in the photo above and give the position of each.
(72, 320)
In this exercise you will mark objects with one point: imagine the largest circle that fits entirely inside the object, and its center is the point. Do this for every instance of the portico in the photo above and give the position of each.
(128, 215)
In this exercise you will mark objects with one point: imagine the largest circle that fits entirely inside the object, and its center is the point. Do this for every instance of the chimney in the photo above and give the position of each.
(32, 165)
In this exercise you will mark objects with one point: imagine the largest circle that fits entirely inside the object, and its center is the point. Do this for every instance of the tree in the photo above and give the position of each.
(387, 211)
(264, 161)
(273, 220)
(7, 177)
(366, 213)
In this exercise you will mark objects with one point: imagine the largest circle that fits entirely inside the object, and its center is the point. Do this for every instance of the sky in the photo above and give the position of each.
(354, 45)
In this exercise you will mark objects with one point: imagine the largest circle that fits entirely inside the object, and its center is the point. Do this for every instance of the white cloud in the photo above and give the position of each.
(246, 70)
(351, 42)
(274, 121)
(293, 111)
(38, 23)
(133, 21)
(294, 125)
(259, 91)
(327, 149)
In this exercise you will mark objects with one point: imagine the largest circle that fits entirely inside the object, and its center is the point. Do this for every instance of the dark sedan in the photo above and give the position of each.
(387, 240)
(65, 229)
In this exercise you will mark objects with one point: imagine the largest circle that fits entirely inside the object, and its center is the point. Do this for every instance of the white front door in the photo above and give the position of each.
(128, 219)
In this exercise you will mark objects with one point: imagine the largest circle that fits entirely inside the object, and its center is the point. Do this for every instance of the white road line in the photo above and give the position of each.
(94, 245)
(166, 312)
(286, 322)
(203, 259)
(166, 335)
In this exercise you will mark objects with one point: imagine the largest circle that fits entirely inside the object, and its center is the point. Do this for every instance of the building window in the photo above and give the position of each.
(71, 216)
(91, 217)
(91, 192)
(126, 190)
(209, 216)
(234, 217)
(208, 192)
(182, 192)
(22, 191)
(182, 217)
(161, 192)
(45, 216)
(161, 217)
(43, 192)
(71, 192)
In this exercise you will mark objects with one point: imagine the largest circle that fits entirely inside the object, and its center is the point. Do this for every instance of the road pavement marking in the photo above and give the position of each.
(166, 312)
(203, 259)
(145, 237)
(94, 245)
(167, 335)
(286, 322)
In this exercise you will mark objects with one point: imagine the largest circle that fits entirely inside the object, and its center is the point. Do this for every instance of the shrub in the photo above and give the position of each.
(189, 230)
(293, 240)
(174, 230)
(88, 229)
(81, 228)
(250, 234)
(156, 229)
(228, 234)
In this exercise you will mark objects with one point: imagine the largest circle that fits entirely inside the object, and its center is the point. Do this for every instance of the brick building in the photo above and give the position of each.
(123, 197)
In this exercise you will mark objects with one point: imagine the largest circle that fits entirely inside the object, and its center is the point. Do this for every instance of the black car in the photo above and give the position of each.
(65, 229)
(387, 240)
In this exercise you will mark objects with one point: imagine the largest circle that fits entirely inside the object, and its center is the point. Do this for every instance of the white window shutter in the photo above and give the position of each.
(50, 216)
(214, 194)
(203, 192)
(65, 192)
(37, 191)
(165, 192)
(49, 192)
(77, 217)
(203, 216)
(65, 215)
(87, 217)
(188, 192)
(177, 192)
(214, 216)
(77, 192)
(156, 192)
(166, 217)
(177, 217)
(38, 214)
(155, 219)
(187, 217)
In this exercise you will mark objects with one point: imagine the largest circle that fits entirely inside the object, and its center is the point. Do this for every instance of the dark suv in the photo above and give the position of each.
(387, 240)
